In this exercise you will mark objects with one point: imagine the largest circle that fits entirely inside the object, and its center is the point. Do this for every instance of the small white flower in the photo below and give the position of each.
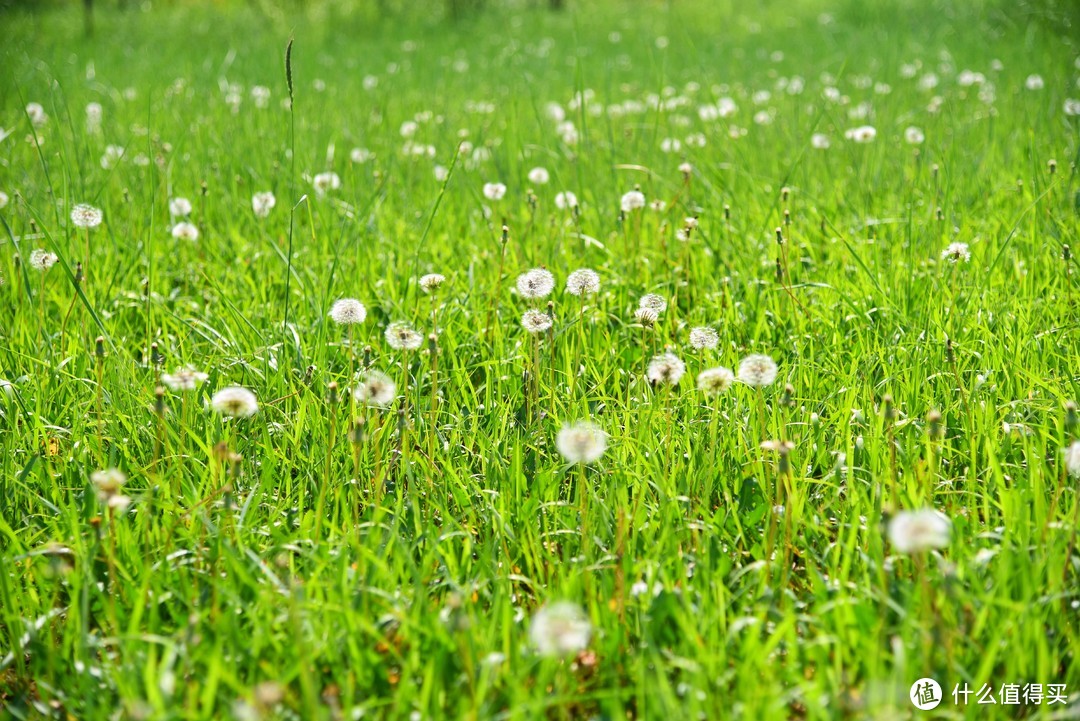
(108, 483)
(262, 203)
(535, 321)
(862, 134)
(1072, 106)
(374, 388)
(714, 381)
(686, 169)
(185, 231)
(3, 197)
(583, 282)
(539, 176)
(85, 216)
(401, 336)
(917, 531)
(757, 370)
(666, 368)
(1034, 82)
(441, 173)
(566, 200)
(179, 207)
(914, 136)
(184, 379)
(652, 301)
(1072, 458)
(494, 191)
(956, 253)
(431, 282)
(325, 182)
(37, 115)
(360, 155)
(560, 629)
(42, 260)
(631, 201)
(235, 402)
(646, 316)
(581, 442)
(536, 283)
(112, 156)
(348, 311)
(704, 338)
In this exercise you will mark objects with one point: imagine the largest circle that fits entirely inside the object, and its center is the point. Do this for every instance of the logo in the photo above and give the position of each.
(925, 694)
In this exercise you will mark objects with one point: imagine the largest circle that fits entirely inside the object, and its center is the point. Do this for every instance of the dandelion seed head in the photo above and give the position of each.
(1072, 459)
(714, 381)
(402, 336)
(652, 301)
(348, 311)
(536, 283)
(325, 182)
(86, 216)
(179, 207)
(108, 482)
(704, 338)
(666, 368)
(431, 282)
(918, 531)
(184, 379)
(757, 370)
(581, 442)
(185, 231)
(375, 388)
(235, 402)
(565, 200)
(957, 253)
(41, 259)
(539, 176)
(560, 629)
(631, 201)
(862, 134)
(914, 136)
(262, 203)
(494, 191)
(583, 282)
(535, 321)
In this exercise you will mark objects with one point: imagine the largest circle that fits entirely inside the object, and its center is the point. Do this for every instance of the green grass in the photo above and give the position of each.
(443, 531)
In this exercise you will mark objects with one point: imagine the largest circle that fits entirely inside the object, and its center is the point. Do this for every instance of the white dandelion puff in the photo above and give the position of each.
(539, 176)
(375, 388)
(325, 182)
(714, 381)
(262, 203)
(581, 442)
(235, 402)
(1072, 458)
(402, 336)
(914, 136)
(757, 370)
(704, 338)
(179, 207)
(535, 321)
(41, 259)
(108, 483)
(494, 191)
(431, 282)
(957, 253)
(666, 368)
(86, 216)
(583, 282)
(862, 134)
(917, 531)
(348, 311)
(566, 200)
(652, 301)
(631, 201)
(560, 629)
(184, 379)
(646, 316)
(536, 283)
(185, 231)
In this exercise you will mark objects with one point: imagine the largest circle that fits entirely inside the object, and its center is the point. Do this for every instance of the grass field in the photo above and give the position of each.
(404, 521)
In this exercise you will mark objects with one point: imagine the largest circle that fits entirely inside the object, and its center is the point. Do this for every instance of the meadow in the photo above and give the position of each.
(685, 360)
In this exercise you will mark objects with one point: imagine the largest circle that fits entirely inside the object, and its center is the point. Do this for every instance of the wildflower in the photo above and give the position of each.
(1034, 82)
(325, 182)
(262, 203)
(360, 155)
(108, 483)
(185, 231)
(757, 370)
(862, 134)
(535, 321)
(1072, 459)
(715, 381)
(42, 260)
(704, 338)
(375, 388)
(917, 531)
(581, 442)
(632, 200)
(494, 191)
(646, 316)
(536, 283)
(914, 136)
(560, 629)
(657, 206)
(565, 200)
(1072, 106)
(348, 311)
(401, 336)
(431, 282)
(112, 156)
(956, 252)
(235, 402)
(819, 141)
(85, 216)
(37, 115)
(666, 368)
(441, 173)
(539, 176)
(180, 207)
(686, 169)
(184, 379)
(583, 282)
(652, 301)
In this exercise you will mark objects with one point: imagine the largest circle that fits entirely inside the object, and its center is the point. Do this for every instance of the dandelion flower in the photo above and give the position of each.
(235, 402)
(535, 321)
(704, 338)
(401, 336)
(85, 216)
(431, 282)
(108, 483)
(536, 283)
(325, 182)
(539, 176)
(262, 203)
(686, 169)
(42, 260)
(565, 200)
(956, 253)
(3, 199)
(862, 134)
(917, 531)
(37, 115)
(185, 231)
(560, 629)
(646, 316)
(819, 141)
(494, 191)
(360, 155)
(179, 207)
(581, 442)
(666, 368)
(583, 282)
(914, 136)
(1072, 106)
(184, 379)
(631, 201)
(757, 370)
(348, 311)
(1034, 82)
(652, 301)
(374, 388)
(1072, 459)
(715, 381)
